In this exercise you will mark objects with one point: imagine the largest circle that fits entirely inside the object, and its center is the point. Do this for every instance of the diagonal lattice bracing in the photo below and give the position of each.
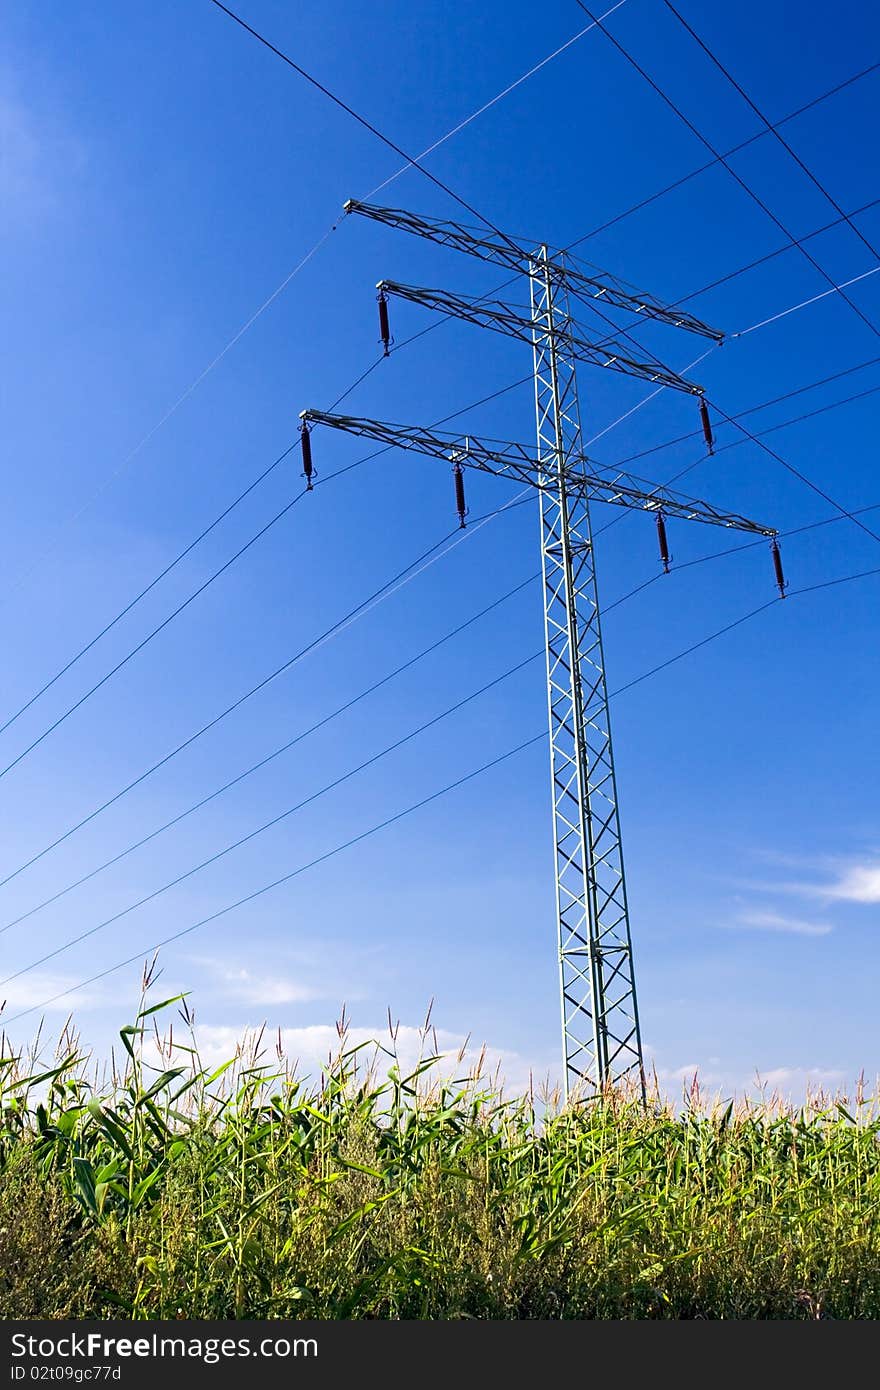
(600, 1022)
(601, 1040)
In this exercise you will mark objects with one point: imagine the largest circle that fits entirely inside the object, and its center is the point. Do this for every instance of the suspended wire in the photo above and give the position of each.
(276, 820)
(485, 400)
(407, 665)
(263, 762)
(127, 608)
(369, 370)
(775, 133)
(359, 610)
(146, 590)
(765, 405)
(737, 444)
(160, 627)
(638, 320)
(772, 255)
(294, 873)
(284, 748)
(727, 165)
(745, 618)
(814, 299)
(783, 535)
(438, 551)
(790, 467)
(411, 161)
(487, 106)
(843, 513)
(647, 399)
(795, 472)
(731, 419)
(734, 149)
(434, 796)
(12, 588)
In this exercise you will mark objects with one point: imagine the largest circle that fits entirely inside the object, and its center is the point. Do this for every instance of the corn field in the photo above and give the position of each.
(163, 1189)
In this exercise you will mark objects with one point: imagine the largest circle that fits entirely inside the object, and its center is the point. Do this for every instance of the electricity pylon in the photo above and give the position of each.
(600, 1020)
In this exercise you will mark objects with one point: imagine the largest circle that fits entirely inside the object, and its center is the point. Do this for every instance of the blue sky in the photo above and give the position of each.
(162, 175)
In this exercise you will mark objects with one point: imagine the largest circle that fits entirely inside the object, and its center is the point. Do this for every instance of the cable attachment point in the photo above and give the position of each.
(781, 581)
(306, 445)
(384, 329)
(707, 425)
(665, 556)
(460, 504)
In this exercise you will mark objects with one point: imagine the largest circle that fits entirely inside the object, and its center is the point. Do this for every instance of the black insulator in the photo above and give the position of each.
(781, 581)
(306, 444)
(707, 425)
(664, 543)
(384, 328)
(460, 504)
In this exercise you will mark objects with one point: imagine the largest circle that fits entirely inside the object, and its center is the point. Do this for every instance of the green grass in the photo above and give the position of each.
(244, 1192)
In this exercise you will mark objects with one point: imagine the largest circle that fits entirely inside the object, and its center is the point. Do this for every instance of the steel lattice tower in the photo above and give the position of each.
(600, 1020)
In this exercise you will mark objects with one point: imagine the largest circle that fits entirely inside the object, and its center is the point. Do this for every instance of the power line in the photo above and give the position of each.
(734, 149)
(87, 647)
(266, 303)
(790, 467)
(843, 513)
(160, 627)
(783, 535)
(361, 120)
(746, 617)
(146, 590)
(276, 820)
(407, 665)
(775, 133)
(434, 796)
(10, 589)
(796, 472)
(762, 260)
(772, 255)
(813, 299)
(294, 873)
(405, 576)
(284, 748)
(391, 748)
(493, 101)
(765, 405)
(724, 161)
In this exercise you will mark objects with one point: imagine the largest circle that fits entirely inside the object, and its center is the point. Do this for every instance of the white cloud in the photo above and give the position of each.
(242, 986)
(851, 882)
(32, 991)
(37, 158)
(859, 884)
(791, 1083)
(799, 1078)
(776, 921)
(295, 978)
(310, 1047)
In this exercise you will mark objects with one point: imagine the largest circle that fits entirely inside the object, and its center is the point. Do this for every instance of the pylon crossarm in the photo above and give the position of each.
(505, 253)
(503, 318)
(501, 459)
(512, 256)
(625, 490)
(511, 460)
